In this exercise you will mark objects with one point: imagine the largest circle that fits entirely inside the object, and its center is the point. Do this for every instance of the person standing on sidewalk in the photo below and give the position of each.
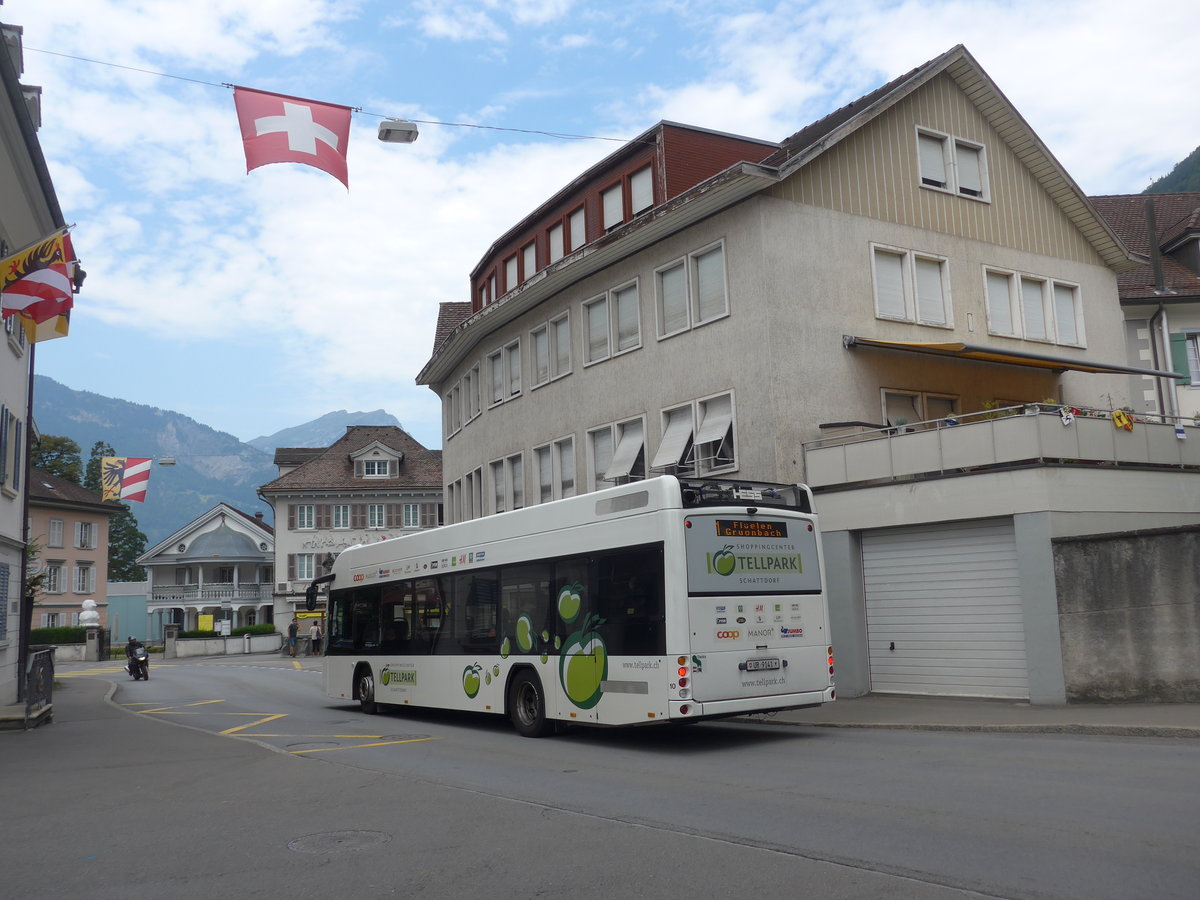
(293, 630)
(314, 638)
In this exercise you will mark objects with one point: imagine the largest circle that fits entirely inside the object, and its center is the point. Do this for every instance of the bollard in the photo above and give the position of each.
(246, 643)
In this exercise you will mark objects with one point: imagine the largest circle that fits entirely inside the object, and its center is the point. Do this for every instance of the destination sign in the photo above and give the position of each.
(750, 528)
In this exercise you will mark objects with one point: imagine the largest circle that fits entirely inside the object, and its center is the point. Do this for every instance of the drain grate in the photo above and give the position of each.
(338, 841)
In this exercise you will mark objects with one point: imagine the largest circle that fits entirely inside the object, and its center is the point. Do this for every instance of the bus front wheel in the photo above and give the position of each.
(527, 706)
(366, 692)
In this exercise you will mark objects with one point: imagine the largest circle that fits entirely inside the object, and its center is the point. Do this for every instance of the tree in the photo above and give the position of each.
(59, 456)
(126, 542)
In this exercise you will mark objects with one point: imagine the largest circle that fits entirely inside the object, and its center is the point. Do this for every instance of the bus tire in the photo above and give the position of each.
(527, 706)
(366, 691)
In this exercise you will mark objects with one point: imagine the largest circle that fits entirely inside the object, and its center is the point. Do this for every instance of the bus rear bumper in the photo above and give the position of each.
(693, 709)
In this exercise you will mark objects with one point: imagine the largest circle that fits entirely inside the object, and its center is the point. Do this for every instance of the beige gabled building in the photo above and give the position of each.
(908, 304)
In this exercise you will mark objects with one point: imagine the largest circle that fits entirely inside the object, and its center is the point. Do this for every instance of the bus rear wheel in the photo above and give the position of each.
(527, 706)
(366, 691)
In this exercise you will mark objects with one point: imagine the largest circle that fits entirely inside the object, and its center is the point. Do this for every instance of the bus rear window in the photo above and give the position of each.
(719, 492)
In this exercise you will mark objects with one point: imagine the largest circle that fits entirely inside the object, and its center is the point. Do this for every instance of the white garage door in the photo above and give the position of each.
(944, 610)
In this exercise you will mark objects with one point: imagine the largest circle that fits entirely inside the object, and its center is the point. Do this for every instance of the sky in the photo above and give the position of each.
(254, 302)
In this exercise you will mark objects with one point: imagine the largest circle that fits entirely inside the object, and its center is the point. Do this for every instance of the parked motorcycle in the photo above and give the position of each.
(139, 664)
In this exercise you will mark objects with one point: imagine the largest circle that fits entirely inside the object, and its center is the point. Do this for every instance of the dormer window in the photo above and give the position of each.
(375, 468)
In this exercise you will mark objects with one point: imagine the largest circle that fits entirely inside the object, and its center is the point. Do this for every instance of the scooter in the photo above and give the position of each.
(139, 664)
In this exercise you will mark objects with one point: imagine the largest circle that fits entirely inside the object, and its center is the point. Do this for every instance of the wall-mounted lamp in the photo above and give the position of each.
(397, 131)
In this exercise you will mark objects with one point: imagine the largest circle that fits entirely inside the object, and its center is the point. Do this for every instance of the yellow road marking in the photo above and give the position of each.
(296, 663)
(364, 746)
(261, 721)
(205, 702)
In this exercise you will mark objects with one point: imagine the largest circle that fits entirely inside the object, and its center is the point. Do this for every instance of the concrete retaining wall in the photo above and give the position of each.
(222, 646)
(1129, 615)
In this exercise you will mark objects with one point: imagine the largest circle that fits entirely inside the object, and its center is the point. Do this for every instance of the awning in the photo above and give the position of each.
(626, 453)
(717, 417)
(979, 353)
(679, 431)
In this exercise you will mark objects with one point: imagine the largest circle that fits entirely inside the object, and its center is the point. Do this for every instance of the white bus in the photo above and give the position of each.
(663, 600)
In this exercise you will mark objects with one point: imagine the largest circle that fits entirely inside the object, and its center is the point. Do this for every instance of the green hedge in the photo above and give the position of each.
(254, 629)
(66, 635)
(199, 633)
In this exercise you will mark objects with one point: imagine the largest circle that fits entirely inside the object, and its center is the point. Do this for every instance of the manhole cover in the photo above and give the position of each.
(338, 841)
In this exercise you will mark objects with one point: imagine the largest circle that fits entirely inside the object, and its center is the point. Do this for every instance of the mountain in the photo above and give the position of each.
(322, 432)
(1181, 179)
(210, 466)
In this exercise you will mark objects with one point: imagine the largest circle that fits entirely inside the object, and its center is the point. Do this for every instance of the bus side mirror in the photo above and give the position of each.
(310, 597)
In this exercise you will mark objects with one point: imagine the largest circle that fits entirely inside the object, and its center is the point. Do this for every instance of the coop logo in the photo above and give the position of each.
(358, 578)
(728, 635)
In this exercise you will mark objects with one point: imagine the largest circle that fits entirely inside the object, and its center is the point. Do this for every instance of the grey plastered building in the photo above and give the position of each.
(909, 304)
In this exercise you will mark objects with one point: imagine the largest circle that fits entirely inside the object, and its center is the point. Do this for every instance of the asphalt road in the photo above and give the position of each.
(273, 790)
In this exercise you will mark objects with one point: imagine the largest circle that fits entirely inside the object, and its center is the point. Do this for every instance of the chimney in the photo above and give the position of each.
(258, 516)
(1156, 266)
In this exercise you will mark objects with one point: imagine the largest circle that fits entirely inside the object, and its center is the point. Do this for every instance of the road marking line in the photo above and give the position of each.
(296, 663)
(205, 702)
(261, 721)
(364, 746)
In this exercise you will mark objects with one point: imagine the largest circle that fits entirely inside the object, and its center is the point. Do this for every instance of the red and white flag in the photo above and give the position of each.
(37, 286)
(124, 478)
(277, 128)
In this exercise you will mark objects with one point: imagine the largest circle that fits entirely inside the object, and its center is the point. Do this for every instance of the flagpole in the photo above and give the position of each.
(64, 230)
(26, 598)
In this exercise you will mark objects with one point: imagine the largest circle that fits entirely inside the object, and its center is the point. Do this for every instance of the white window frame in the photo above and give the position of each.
(692, 315)
(54, 537)
(577, 224)
(1049, 292)
(641, 190)
(306, 566)
(554, 461)
(615, 296)
(499, 488)
(512, 275)
(911, 285)
(612, 203)
(553, 340)
(470, 394)
(85, 536)
(566, 471)
(53, 583)
(959, 157)
(85, 578)
(374, 464)
(596, 325)
(377, 515)
(529, 261)
(697, 284)
(305, 517)
(504, 367)
(341, 515)
(556, 240)
(411, 515)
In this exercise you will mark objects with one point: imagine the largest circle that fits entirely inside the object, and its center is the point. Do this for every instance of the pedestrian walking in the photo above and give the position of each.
(293, 630)
(314, 638)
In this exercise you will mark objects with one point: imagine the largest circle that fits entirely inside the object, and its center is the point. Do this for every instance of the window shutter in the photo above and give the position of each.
(358, 468)
(3, 444)
(291, 566)
(1179, 358)
(428, 515)
(322, 516)
(391, 514)
(291, 517)
(358, 515)
(18, 446)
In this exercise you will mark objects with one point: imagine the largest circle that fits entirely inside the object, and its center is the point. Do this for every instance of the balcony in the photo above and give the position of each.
(212, 594)
(1032, 434)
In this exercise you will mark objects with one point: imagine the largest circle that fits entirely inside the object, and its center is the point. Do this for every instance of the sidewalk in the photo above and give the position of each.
(951, 714)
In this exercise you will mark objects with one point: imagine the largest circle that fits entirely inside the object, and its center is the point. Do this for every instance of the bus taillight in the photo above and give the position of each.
(829, 650)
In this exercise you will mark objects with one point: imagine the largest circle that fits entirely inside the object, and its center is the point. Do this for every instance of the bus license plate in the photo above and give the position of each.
(759, 665)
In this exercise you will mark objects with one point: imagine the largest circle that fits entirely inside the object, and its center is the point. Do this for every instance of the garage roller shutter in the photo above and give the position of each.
(947, 598)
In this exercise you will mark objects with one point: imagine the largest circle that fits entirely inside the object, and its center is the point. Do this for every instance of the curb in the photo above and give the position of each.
(1160, 731)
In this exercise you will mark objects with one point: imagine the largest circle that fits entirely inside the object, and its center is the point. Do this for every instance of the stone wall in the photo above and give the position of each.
(1129, 615)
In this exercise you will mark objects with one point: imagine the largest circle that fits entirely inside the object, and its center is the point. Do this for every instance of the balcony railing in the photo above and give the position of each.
(1035, 433)
(211, 594)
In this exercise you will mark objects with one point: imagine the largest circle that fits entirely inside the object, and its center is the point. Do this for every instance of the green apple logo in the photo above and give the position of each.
(385, 677)
(583, 665)
(570, 602)
(505, 648)
(471, 680)
(525, 634)
(724, 561)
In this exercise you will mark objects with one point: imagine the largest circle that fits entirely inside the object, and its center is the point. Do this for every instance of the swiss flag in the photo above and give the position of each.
(277, 128)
